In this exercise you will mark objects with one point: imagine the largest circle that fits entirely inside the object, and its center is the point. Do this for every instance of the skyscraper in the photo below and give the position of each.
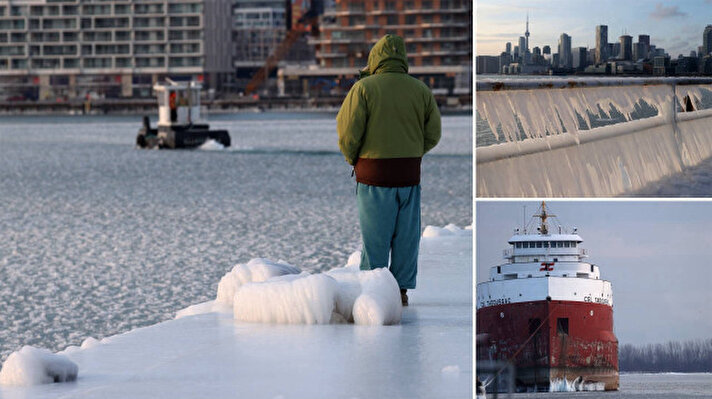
(601, 43)
(522, 46)
(508, 49)
(626, 42)
(707, 40)
(565, 56)
(643, 46)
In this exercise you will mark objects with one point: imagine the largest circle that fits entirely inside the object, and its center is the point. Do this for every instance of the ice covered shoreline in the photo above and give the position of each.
(429, 354)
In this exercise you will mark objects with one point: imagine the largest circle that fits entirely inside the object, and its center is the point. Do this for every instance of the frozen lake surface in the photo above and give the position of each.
(640, 386)
(428, 355)
(100, 238)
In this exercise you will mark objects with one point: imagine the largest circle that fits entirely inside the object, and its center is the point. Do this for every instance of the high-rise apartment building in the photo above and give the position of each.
(437, 34)
(112, 48)
(601, 43)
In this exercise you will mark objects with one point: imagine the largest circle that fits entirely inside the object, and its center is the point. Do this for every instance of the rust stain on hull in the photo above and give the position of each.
(583, 346)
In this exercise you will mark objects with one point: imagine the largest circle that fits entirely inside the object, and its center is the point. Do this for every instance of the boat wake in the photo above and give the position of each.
(577, 385)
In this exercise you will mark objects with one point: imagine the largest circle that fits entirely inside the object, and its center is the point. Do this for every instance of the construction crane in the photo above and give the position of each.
(308, 22)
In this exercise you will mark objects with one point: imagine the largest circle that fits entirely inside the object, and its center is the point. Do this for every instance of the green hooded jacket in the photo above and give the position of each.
(388, 114)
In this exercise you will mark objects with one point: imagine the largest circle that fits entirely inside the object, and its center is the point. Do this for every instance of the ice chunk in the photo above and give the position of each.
(369, 297)
(288, 299)
(205, 307)
(449, 230)
(34, 366)
(255, 270)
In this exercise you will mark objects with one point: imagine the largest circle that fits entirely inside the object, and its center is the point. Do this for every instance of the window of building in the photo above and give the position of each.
(562, 325)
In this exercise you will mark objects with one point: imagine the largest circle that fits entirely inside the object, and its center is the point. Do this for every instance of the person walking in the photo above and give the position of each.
(386, 123)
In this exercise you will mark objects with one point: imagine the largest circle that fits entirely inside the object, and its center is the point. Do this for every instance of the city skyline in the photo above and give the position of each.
(676, 26)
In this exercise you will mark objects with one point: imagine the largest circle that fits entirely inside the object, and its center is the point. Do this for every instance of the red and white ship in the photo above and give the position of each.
(548, 312)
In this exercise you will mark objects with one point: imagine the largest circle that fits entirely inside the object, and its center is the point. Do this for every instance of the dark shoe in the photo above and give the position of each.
(404, 297)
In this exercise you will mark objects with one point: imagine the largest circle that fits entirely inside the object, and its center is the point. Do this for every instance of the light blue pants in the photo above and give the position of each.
(390, 223)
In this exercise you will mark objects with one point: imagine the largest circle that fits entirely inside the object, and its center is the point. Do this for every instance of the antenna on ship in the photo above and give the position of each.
(524, 219)
(543, 228)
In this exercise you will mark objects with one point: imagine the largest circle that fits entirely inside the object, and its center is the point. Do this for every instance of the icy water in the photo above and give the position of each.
(635, 386)
(98, 237)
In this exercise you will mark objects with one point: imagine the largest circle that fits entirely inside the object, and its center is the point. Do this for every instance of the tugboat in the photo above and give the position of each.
(547, 312)
(179, 121)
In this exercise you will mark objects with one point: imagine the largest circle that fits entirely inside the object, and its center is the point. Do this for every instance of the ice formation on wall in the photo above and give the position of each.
(540, 159)
(34, 366)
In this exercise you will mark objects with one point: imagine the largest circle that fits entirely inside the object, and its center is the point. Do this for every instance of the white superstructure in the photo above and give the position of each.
(544, 266)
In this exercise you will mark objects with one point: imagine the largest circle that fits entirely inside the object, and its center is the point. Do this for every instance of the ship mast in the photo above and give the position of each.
(543, 227)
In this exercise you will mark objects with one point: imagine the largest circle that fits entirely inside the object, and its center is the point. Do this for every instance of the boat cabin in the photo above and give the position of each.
(178, 103)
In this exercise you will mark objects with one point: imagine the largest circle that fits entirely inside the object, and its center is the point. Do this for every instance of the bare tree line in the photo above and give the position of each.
(673, 356)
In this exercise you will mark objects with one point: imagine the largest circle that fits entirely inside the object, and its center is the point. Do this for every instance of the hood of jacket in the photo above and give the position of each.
(388, 55)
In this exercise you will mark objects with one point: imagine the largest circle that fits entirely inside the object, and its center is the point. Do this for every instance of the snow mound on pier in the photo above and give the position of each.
(34, 366)
(288, 299)
(449, 230)
(256, 270)
(263, 291)
(369, 297)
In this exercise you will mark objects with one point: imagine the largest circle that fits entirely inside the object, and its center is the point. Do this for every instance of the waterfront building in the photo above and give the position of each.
(707, 40)
(113, 48)
(508, 48)
(504, 60)
(487, 64)
(580, 58)
(601, 43)
(437, 33)
(546, 50)
(565, 56)
(626, 48)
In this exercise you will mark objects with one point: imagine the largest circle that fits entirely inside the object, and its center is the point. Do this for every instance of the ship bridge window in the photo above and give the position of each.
(562, 325)
(546, 244)
(525, 245)
(518, 245)
(573, 244)
(538, 244)
(559, 244)
(566, 244)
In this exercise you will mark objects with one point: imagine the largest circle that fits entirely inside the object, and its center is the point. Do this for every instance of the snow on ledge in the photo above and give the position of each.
(34, 366)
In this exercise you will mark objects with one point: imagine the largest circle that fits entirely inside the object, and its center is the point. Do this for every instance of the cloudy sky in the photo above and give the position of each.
(676, 26)
(657, 256)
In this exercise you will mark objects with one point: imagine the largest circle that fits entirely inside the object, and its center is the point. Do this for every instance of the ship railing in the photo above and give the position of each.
(581, 137)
